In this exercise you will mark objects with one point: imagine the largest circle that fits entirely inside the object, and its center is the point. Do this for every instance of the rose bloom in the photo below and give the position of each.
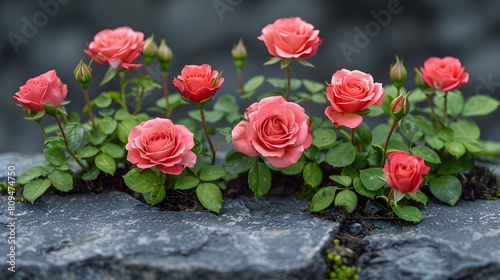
(405, 172)
(444, 74)
(44, 89)
(349, 93)
(274, 128)
(198, 82)
(118, 47)
(291, 38)
(161, 143)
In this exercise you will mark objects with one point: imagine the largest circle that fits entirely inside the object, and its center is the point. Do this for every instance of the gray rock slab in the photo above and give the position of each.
(114, 236)
(461, 242)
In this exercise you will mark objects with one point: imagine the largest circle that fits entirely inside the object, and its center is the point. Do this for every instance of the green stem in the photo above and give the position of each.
(66, 144)
(444, 108)
(87, 100)
(287, 72)
(353, 142)
(429, 101)
(40, 125)
(204, 123)
(384, 152)
(242, 87)
(122, 93)
(165, 93)
(389, 197)
(141, 93)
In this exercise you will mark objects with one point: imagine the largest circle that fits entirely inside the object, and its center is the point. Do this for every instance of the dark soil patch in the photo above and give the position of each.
(481, 183)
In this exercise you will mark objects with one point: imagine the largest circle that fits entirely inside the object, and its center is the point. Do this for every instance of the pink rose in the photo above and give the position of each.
(44, 89)
(444, 74)
(198, 82)
(405, 172)
(291, 38)
(118, 47)
(158, 142)
(274, 128)
(350, 93)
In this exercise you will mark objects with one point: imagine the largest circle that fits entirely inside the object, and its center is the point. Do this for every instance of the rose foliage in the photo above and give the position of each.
(423, 140)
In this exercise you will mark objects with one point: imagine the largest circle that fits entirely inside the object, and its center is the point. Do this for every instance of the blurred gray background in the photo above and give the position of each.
(204, 31)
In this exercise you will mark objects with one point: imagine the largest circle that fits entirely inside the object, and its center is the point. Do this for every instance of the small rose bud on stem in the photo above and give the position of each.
(398, 73)
(400, 107)
(149, 50)
(239, 53)
(83, 74)
(164, 56)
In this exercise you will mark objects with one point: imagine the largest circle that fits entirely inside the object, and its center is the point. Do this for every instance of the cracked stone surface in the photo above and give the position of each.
(114, 236)
(461, 242)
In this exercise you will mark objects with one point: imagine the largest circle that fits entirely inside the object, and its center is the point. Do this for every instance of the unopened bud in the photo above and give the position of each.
(149, 50)
(398, 73)
(419, 81)
(400, 107)
(239, 53)
(83, 74)
(164, 55)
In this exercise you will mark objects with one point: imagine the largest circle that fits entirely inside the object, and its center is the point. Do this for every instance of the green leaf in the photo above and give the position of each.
(313, 87)
(312, 174)
(472, 146)
(143, 181)
(186, 183)
(281, 84)
(54, 156)
(107, 125)
(455, 103)
(426, 153)
(480, 105)
(372, 178)
(122, 114)
(423, 123)
(97, 138)
(419, 196)
(434, 141)
(446, 188)
(253, 83)
(348, 199)
(294, 169)
(341, 179)
(410, 130)
(323, 138)
(124, 128)
(102, 100)
(465, 129)
(408, 213)
(113, 150)
(35, 188)
(364, 133)
(322, 199)
(210, 116)
(455, 148)
(110, 74)
(105, 163)
(75, 138)
(379, 134)
(210, 196)
(341, 155)
(237, 162)
(211, 173)
(157, 194)
(226, 103)
(259, 179)
(61, 180)
(31, 173)
(91, 174)
(361, 189)
(319, 98)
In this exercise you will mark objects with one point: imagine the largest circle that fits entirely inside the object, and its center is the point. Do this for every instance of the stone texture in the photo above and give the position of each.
(461, 242)
(114, 236)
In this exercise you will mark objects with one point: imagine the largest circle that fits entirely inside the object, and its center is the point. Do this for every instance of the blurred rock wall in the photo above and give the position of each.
(37, 36)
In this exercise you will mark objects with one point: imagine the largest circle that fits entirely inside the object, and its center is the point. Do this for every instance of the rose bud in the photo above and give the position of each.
(419, 81)
(149, 50)
(400, 107)
(164, 55)
(83, 74)
(239, 53)
(398, 73)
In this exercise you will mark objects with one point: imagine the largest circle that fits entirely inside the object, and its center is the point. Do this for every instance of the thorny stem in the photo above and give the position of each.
(287, 72)
(66, 144)
(242, 88)
(165, 93)
(384, 152)
(87, 100)
(204, 123)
